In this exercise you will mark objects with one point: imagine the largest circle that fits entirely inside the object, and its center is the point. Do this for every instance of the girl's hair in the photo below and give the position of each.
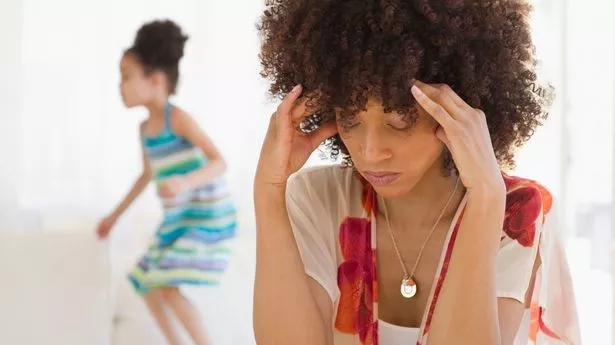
(159, 46)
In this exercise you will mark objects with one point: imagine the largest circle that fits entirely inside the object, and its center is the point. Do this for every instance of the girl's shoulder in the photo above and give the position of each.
(179, 120)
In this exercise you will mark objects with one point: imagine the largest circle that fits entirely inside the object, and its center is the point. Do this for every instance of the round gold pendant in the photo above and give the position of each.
(408, 288)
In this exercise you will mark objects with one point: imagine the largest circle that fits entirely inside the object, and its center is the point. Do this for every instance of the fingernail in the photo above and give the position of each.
(416, 91)
(296, 88)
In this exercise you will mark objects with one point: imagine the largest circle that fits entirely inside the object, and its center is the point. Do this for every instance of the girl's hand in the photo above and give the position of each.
(285, 148)
(173, 186)
(105, 226)
(464, 131)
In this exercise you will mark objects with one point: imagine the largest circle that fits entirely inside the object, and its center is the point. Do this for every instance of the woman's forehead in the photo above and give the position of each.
(376, 106)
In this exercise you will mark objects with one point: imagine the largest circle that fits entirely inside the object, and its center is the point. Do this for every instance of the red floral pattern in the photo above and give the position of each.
(526, 200)
(442, 276)
(537, 324)
(355, 277)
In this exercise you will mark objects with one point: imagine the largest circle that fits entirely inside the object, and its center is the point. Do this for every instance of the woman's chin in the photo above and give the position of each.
(393, 190)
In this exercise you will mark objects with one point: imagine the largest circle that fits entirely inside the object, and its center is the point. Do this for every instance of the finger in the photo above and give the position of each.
(306, 118)
(441, 96)
(450, 93)
(301, 109)
(437, 111)
(441, 134)
(284, 109)
(324, 132)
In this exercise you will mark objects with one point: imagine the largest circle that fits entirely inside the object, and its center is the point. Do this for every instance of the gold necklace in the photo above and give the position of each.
(408, 286)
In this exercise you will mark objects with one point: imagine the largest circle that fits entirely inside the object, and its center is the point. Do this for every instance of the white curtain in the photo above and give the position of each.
(70, 147)
(573, 153)
(10, 114)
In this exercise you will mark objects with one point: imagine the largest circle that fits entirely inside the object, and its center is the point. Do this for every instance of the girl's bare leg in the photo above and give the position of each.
(155, 301)
(187, 314)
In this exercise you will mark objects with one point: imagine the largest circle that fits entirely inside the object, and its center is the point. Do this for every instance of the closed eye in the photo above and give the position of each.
(348, 122)
(401, 129)
(347, 126)
(399, 122)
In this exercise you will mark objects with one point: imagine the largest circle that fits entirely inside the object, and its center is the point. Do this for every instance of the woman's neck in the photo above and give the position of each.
(420, 208)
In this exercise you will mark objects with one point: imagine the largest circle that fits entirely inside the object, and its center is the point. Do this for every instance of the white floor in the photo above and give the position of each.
(66, 299)
(227, 309)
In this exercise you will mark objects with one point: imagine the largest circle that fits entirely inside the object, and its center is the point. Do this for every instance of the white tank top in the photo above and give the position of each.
(389, 334)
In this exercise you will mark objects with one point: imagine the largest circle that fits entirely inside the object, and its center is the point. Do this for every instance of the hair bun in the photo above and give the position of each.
(160, 43)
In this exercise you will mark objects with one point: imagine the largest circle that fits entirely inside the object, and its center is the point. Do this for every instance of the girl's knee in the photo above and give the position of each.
(152, 294)
(155, 293)
(168, 293)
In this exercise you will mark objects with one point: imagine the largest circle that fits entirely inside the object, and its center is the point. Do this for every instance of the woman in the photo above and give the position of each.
(418, 237)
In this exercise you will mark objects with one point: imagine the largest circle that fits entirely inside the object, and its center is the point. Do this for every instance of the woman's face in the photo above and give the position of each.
(392, 154)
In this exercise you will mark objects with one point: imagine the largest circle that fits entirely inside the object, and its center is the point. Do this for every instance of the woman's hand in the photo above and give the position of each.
(464, 131)
(285, 148)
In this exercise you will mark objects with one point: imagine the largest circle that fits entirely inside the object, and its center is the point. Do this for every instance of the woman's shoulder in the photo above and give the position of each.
(528, 203)
(326, 185)
(323, 178)
(527, 192)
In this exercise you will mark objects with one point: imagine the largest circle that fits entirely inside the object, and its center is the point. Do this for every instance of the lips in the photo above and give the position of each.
(380, 178)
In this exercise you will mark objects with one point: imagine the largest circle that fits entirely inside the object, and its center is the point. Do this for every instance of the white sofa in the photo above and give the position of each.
(68, 288)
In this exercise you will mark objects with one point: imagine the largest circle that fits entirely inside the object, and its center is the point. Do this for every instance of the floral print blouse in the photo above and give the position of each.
(333, 214)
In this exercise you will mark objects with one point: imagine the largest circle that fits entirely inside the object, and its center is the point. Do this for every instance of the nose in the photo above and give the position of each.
(374, 148)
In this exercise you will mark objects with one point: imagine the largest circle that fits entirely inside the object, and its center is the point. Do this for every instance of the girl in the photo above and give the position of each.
(419, 238)
(191, 245)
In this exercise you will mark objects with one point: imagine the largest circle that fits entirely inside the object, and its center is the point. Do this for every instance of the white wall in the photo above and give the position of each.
(74, 147)
(10, 92)
(77, 150)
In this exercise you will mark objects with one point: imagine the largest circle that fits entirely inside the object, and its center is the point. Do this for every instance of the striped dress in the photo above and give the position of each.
(192, 245)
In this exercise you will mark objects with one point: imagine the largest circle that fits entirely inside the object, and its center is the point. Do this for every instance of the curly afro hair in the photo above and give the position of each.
(159, 46)
(345, 51)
